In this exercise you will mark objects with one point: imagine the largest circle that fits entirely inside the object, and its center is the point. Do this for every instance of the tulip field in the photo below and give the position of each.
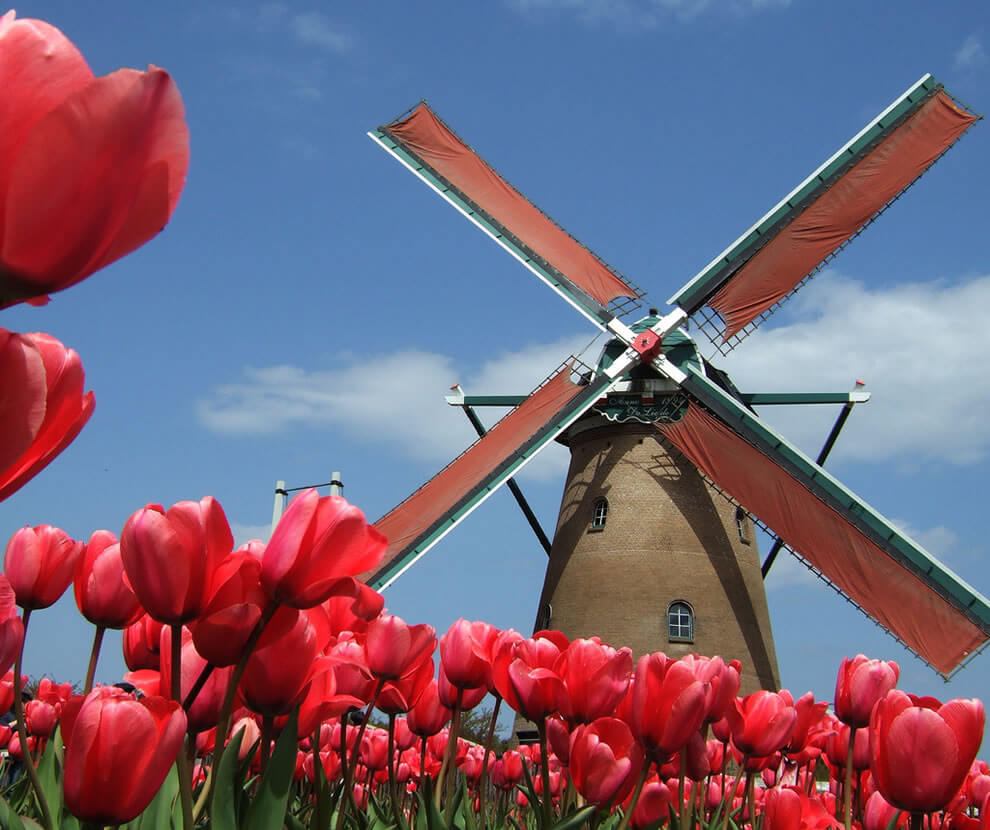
(267, 685)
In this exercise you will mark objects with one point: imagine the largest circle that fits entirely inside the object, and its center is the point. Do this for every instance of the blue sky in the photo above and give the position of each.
(311, 302)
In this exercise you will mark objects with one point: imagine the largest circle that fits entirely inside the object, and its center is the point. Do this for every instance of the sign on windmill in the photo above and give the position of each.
(670, 464)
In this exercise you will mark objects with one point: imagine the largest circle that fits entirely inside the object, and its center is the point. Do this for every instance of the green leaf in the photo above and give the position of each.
(164, 807)
(8, 817)
(534, 800)
(574, 819)
(267, 811)
(223, 815)
(49, 783)
(467, 809)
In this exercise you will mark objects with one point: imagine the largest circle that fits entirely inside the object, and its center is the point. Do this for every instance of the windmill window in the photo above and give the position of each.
(599, 514)
(680, 622)
(742, 526)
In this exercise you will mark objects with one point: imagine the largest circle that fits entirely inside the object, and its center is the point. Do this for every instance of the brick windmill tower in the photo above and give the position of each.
(671, 464)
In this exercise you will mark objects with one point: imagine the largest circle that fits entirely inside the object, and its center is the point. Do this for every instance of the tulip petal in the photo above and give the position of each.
(22, 396)
(81, 170)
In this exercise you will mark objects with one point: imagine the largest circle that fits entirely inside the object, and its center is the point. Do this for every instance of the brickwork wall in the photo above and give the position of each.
(668, 537)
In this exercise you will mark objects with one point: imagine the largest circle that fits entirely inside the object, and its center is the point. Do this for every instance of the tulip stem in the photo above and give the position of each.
(449, 753)
(267, 730)
(916, 820)
(483, 788)
(197, 687)
(94, 655)
(182, 761)
(223, 724)
(644, 773)
(545, 775)
(351, 763)
(32, 770)
(847, 783)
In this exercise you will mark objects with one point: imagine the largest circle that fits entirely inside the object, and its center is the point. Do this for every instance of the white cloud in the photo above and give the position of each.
(921, 347)
(350, 398)
(316, 29)
(641, 14)
(970, 54)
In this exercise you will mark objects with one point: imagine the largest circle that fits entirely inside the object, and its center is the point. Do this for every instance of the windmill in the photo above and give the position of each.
(646, 546)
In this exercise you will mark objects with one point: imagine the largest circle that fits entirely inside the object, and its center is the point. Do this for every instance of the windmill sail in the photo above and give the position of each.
(820, 216)
(910, 594)
(428, 147)
(420, 521)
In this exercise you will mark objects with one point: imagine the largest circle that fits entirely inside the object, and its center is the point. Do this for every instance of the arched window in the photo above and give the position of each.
(680, 622)
(600, 514)
(742, 526)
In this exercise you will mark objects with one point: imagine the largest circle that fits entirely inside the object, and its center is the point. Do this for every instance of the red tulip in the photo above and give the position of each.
(762, 722)
(920, 751)
(323, 702)
(878, 814)
(393, 648)
(653, 804)
(205, 709)
(465, 653)
(90, 168)
(605, 760)
(40, 718)
(507, 771)
(118, 752)
(529, 683)
(141, 643)
(44, 406)
(861, 682)
(398, 697)
(428, 716)
(469, 697)
(170, 557)
(234, 605)
(317, 542)
(11, 631)
(595, 677)
(40, 562)
(667, 704)
(103, 596)
(280, 667)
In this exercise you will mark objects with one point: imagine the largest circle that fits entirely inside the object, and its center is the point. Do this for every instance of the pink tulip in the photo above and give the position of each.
(317, 543)
(44, 407)
(90, 168)
(103, 595)
(393, 648)
(595, 678)
(921, 751)
(279, 669)
(762, 722)
(40, 562)
(860, 683)
(170, 556)
(605, 760)
(118, 752)
(667, 704)
(465, 653)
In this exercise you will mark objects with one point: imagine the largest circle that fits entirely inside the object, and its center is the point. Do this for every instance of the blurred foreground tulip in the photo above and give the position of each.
(118, 752)
(318, 542)
(42, 405)
(90, 168)
(920, 752)
(40, 562)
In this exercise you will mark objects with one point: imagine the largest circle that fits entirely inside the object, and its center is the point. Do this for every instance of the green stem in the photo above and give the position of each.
(680, 785)
(482, 797)
(197, 687)
(750, 798)
(32, 770)
(318, 782)
(450, 753)
(644, 773)
(545, 775)
(94, 655)
(267, 730)
(847, 783)
(350, 764)
(182, 761)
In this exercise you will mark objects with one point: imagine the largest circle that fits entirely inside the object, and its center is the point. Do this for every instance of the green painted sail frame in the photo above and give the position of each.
(901, 547)
(575, 296)
(695, 293)
(597, 388)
